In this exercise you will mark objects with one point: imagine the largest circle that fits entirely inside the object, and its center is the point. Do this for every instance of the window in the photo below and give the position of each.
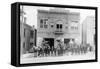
(57, 26)
(74, 21)
(74, 28)
(43, 23)
(45, 26)
(60, 26)
(24, 32)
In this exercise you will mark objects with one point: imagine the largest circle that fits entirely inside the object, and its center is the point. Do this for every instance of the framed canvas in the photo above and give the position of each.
(45, 34)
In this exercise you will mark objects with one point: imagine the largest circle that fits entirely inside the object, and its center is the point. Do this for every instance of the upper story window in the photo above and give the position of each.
(74, 28)
(59, 26)
(74, 21)
(43, 23)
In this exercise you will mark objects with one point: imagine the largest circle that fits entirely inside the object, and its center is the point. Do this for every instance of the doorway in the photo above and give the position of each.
(50, 41)
(66, 41)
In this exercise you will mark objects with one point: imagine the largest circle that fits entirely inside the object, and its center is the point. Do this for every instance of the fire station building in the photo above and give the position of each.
(54, 25)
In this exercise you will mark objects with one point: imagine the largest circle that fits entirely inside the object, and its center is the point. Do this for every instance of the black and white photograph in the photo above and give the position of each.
(53, 34)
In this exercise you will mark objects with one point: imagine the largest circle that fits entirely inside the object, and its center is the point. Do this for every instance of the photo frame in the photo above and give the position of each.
(47, 34)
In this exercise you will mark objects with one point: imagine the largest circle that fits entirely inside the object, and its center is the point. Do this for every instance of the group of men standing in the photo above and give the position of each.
(59, 49)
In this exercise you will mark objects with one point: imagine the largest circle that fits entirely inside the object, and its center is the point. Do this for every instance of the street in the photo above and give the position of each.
(28, 58)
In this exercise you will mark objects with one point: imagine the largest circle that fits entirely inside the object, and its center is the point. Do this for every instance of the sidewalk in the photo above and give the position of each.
(28, 58)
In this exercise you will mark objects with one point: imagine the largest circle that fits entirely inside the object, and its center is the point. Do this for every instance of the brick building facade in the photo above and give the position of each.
(54, 25)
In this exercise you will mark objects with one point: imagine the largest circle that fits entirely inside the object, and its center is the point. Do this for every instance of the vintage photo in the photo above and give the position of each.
(52, 34)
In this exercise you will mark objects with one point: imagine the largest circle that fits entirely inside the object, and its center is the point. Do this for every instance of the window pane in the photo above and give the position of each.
(41, 26)
(45, 26)
(57, 26)
(44, 22)
(60, 26)
(41, 21)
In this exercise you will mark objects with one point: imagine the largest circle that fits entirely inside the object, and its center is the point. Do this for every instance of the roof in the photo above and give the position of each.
(54, 11)
(26, 26)
(58, 11)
